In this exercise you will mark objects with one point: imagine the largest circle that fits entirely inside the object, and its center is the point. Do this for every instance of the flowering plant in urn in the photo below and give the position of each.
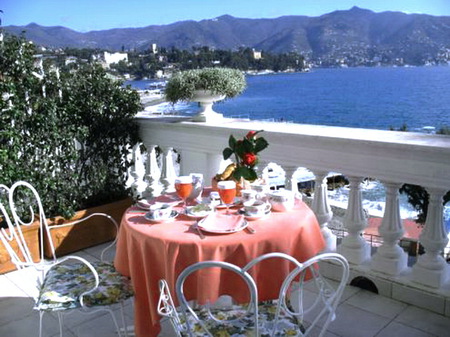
(246, 152)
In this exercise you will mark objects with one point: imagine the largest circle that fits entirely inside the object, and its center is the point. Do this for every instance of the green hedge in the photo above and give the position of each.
(68, 132)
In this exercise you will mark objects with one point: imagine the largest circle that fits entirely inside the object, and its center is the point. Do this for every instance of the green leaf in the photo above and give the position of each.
(227, 153)
(232, 142)
(247, 146)
(245, 172)
(260, 144)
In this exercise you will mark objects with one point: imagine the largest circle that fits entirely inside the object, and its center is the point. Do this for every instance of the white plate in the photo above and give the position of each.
(191, 211)
(253, 217)
(243, 224)
(145, 205)
(150, 218)
(236, 202)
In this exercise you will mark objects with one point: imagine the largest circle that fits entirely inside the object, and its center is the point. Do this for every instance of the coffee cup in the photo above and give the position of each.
(248, 197)
(161, 211)
(282, 200)
(257, 208)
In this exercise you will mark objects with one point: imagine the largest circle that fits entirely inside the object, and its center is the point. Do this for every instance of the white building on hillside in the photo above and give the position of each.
(114, 58)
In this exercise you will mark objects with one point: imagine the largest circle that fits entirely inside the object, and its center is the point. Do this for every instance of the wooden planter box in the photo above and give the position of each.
(88, 233)
(31, 235)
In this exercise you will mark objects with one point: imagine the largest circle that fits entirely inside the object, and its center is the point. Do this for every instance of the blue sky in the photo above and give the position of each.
(87, 15)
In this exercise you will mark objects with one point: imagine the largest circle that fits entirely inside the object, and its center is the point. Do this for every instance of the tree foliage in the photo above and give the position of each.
(146, 64)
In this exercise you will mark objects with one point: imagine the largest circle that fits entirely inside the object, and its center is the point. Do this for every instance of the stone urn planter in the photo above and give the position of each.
(206, 100)
(206, 86)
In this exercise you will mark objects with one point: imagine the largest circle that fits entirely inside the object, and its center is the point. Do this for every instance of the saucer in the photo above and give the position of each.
(252, 217)
(150, 218)
(237, 201)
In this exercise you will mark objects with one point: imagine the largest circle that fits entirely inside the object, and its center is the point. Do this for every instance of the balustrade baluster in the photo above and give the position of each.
(168, 174)
(290, 183)
(261, 170)
(322, 209)
(431, 269)
(153, 175)
(354, 247)
(390, 257)
(137, 172)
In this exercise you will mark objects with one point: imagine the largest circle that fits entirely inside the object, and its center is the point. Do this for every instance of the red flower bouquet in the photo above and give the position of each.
(245, 151)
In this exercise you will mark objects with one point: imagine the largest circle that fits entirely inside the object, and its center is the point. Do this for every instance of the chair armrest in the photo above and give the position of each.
(104, 215)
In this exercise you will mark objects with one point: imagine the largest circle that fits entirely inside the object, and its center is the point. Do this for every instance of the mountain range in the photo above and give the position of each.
(351, 34)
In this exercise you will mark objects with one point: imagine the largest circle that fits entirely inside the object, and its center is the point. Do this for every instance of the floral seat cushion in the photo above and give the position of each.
(286, 326)
(64, 283)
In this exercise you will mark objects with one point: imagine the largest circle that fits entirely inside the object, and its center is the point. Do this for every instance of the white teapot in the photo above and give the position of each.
(282, 200)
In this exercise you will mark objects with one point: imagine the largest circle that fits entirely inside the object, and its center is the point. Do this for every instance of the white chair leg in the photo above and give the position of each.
(118, 330)
(41, 313)
(60, 320)
(124, 324)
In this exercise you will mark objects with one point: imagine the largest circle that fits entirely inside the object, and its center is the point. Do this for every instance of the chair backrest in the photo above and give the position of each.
(249, 312)
(23, 208)
(304, 295)
(314, 298)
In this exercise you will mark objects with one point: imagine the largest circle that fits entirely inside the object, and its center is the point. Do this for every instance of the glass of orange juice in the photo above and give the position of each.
(184, 186)
(227, 192)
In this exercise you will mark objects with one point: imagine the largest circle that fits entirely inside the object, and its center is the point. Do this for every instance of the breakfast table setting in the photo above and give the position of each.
(159, 237)
(231, 220)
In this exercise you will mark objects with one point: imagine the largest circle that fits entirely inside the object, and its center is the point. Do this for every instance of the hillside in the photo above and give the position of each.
(350, 35)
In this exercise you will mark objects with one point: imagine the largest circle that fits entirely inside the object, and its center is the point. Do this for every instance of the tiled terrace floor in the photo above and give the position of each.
(361, 314)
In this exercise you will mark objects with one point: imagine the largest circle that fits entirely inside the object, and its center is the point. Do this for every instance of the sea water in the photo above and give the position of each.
(374, 98)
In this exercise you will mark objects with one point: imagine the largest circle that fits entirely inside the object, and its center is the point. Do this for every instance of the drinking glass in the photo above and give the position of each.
(227, 192)
(184, 186)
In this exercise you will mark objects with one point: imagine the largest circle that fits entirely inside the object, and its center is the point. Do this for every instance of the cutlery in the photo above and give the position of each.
(250, 230)
(199, 231)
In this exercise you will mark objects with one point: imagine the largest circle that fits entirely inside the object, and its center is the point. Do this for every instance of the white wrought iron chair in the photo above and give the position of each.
(306, 305)
(67, 283)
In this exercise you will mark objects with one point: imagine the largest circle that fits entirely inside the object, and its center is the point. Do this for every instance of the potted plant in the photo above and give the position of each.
(205, 86)
(68, 132)
(245, 152)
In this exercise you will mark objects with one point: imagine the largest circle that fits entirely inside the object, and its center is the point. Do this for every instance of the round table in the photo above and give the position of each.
(149, 252)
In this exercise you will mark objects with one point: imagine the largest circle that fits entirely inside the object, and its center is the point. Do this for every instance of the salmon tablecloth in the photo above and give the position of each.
(149, 252)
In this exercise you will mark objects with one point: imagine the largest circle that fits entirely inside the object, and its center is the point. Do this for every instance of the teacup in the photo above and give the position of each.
(248, 197)
(161, 211)
(257, 208)
(282, 200)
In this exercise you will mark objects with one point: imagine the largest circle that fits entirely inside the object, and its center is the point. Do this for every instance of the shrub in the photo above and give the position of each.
(222, 81)
(68, 135)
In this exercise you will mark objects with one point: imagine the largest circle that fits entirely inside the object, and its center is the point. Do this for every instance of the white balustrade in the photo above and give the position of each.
(390, 257)
(431, 269)
(154, 187)
(322, 209)
(290, 184)
(168, 173)
(138, 172)
(392, 157)
(354, 247)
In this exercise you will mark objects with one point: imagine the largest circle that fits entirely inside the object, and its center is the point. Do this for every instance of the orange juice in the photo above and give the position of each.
(183, 186)
(227, 191)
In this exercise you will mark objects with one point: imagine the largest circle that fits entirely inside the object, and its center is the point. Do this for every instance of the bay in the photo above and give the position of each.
(374, 98)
